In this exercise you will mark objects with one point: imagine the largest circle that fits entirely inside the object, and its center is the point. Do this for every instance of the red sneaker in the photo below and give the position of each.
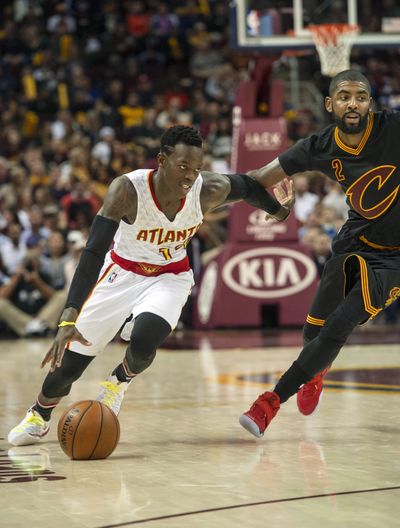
(260, 414)
(309, 395)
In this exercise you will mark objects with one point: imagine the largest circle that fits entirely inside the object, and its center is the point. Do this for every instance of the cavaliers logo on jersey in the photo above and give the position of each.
(393, 295)
(367, 194)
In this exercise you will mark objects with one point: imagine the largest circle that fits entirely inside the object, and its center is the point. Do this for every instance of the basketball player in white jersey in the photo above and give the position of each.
(148, 217)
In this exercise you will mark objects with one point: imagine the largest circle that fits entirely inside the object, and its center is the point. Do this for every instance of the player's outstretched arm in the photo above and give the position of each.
(269, 175)
(223, 188)
(120, 202)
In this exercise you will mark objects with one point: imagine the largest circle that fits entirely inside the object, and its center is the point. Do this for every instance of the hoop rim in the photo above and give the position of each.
(328, 34)
(340, 27)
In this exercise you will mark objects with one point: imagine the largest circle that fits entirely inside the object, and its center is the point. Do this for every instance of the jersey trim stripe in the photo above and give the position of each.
(108, 269)
(153, 194)
(315, 321)
(378, 246)
(364, 139)
(151, 270)
(364, 285)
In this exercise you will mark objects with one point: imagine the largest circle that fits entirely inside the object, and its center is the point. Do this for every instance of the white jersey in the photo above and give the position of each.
(153, 238)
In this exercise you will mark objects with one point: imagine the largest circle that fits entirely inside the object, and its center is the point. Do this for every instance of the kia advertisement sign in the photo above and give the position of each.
(269, 272)
(243, 279)
(262, 269)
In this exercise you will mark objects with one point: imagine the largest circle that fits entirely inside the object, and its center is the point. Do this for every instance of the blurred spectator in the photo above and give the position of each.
(132, 111)
(76, 242)
(12, 248)
(53, 261)
(335, 199)
(147, 134)
(28, 303)
(205, 59)
(222, 84)
(81, 205)
(77, 165)
(305, 200)
(37, 234)
(220, 139)
(174, 114)
(327, 220)
(321, 251)
(4, 172)
(11, 192)
(61, 18)
(138, 19)
(102, 150)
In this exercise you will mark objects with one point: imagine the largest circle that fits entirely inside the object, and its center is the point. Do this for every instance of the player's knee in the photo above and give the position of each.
(140, 353)
(337, 328)
(310, 332)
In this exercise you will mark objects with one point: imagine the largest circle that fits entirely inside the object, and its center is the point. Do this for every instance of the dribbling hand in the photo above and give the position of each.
(64, 335)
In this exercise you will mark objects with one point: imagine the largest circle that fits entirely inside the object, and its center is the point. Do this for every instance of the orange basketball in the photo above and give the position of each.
(88, 430)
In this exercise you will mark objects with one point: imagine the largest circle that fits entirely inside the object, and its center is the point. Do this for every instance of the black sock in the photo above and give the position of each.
(44, 410)
(291, 381)
(121, 373)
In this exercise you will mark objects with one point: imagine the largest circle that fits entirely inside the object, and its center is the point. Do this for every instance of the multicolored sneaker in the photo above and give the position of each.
(112, 394)
(260, 414)
(32, 428)
(310, 394)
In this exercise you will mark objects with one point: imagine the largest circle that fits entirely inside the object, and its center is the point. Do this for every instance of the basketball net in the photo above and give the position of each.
(333, 43)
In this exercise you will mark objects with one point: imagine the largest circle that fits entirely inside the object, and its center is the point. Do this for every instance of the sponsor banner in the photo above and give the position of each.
(247, 224)
(269, 272)
(256, 141)
(244, 278)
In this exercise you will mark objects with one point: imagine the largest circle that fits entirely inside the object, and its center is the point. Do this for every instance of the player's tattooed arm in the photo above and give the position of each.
(215, 190)
(120, 201)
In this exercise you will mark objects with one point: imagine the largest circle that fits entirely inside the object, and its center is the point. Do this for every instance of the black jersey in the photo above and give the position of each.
(368, 174)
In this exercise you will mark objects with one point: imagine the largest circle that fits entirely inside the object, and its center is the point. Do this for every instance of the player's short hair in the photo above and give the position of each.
(175, 135)
(348, 75)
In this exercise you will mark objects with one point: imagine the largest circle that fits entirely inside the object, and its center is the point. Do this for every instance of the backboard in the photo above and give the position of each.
(282, 24)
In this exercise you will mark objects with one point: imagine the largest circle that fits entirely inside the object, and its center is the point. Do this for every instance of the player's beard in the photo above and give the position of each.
(351, 128)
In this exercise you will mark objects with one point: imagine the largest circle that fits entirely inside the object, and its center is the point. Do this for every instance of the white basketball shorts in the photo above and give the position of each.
(119, 293)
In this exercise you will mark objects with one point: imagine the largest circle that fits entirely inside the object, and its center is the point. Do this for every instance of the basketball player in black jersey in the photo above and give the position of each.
(361, 152)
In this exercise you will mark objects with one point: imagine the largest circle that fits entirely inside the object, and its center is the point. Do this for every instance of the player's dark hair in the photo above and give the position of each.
(348, 75)
(185, 135)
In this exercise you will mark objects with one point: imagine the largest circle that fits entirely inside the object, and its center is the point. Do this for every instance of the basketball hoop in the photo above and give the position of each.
(333, 43)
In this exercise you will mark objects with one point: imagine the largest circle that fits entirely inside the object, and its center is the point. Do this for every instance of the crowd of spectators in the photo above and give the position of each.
(86, 90)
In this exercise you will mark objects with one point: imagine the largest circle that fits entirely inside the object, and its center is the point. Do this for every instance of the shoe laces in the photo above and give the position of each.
(310, 389)
(264, 403)
(111, 392)
(32, 419)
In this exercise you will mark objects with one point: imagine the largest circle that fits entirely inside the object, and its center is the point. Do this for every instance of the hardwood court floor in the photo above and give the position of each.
(183, 460)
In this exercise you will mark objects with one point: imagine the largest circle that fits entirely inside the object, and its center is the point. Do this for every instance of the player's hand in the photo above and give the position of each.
(284, 193)
(64, 335)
